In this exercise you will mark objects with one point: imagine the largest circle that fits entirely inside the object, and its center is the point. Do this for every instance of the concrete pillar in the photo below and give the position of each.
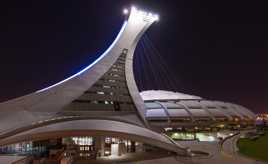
(99, 145)
(122, 148)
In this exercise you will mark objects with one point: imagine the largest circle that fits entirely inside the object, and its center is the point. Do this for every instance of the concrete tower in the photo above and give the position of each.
(102, 99)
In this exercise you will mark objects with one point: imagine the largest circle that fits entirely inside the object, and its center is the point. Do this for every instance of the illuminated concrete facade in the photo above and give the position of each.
(101, 99)
(174, 110)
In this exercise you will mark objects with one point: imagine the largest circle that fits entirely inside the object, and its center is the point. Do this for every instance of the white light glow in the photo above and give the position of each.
(211, 138)
(144, 14)
(156, 17)
(133, 8)
(107, 152)
(114, 149)
(125, 11)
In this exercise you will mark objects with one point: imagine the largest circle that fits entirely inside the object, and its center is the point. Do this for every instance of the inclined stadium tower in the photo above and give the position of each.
(103, 100)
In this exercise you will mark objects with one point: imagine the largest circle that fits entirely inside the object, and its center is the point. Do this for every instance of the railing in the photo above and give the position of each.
(185, 150)
(227, 138)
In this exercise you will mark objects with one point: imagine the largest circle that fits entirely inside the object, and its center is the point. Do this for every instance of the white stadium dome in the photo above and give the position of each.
(173, 108)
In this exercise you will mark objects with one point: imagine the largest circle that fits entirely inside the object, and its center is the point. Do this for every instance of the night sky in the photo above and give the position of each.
(214, 49)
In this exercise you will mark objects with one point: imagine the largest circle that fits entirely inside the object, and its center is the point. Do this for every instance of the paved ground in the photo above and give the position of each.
(9, 159)
(127, 157)
(226, 154)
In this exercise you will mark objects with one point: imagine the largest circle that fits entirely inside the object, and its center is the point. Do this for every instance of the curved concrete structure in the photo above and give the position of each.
(95, 127)
(106, 89)
(188, 110)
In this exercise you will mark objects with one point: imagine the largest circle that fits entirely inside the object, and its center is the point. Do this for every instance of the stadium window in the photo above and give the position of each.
(100, 93)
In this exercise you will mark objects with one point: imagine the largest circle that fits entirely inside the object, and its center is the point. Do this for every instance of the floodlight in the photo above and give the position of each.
(125, 11)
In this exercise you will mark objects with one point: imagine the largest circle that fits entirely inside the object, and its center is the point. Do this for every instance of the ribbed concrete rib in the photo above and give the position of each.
(165, 109)
(187, 110)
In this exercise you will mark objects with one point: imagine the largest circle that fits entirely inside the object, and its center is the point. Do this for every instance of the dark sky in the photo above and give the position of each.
(214, 49)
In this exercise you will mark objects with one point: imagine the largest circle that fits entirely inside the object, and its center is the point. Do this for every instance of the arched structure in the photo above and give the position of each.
(95, 127)
(173, 109)
(105, 90)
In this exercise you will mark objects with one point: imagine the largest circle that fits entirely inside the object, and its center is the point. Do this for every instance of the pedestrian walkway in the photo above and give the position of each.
(225, 153)
(6, 159)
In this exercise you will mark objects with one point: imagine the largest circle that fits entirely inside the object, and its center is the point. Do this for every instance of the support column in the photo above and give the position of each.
(99, 145)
